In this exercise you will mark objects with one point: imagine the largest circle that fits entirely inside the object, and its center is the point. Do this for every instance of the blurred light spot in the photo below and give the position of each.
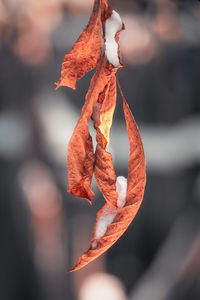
(53, 110)
(32, 47)
(79, 6)
(44, 201)
(41, 192)
(35, 21)
(137, 43)
(14, 135)
(197, 10)
(100, 286)
(166, 23)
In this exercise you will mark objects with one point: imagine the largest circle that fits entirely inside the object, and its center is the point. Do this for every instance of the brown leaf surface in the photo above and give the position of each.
(108, 108)
(85, 53)
(80, 149)
(105, 175)
(104, 171)
(135, 191)
(136, 163)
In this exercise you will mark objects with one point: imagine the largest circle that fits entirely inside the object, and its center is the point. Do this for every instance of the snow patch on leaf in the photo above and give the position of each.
(113, 25)
(107, 217)
(121, 189)
(109, 213)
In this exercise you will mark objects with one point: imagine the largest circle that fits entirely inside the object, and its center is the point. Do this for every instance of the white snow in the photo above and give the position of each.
(106, 219)
(109, 213)
(112, 26)
(121, 189)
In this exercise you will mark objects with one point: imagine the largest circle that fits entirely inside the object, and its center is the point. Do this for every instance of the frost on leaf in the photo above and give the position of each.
(107, 216)
(121, 189)
(123, 196)
(113, 26)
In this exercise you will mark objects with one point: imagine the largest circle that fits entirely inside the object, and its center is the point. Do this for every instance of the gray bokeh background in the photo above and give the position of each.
(43, 229)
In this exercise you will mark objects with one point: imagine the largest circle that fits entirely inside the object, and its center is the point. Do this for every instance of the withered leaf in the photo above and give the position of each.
(136, 163)
(135, 190)
(80, 149)
(85, 53)
(122, 199)
(105, 175)
(104, 171)
(108, 107)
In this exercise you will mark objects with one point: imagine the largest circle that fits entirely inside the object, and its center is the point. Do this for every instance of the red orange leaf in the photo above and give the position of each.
(120, 218)
(80, 149)
(105, 175)
(104, 170)
(123, 198)
(136, 163)
(107, 108)
(85, 53)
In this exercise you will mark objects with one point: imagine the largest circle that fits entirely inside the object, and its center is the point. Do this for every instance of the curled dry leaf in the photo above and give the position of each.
(123, 198)
(119, 216)
(86, 52)
(80, 149)
(103, 169)
(136, 164)
(105, 175)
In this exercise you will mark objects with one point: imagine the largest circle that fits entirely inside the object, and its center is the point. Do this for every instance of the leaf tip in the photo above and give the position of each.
(57, 83)
(81, 192)
(70, 270)
(64, 82)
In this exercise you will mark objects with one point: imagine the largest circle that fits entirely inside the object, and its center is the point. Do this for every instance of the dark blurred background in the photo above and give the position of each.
(43, 229)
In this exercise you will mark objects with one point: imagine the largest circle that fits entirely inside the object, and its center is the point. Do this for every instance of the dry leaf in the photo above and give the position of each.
(136, 164)
(85, 53)
(104, 171)
(80, 149)
(123, 198)
(105, 175)
(103, 168)
(120, 217)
